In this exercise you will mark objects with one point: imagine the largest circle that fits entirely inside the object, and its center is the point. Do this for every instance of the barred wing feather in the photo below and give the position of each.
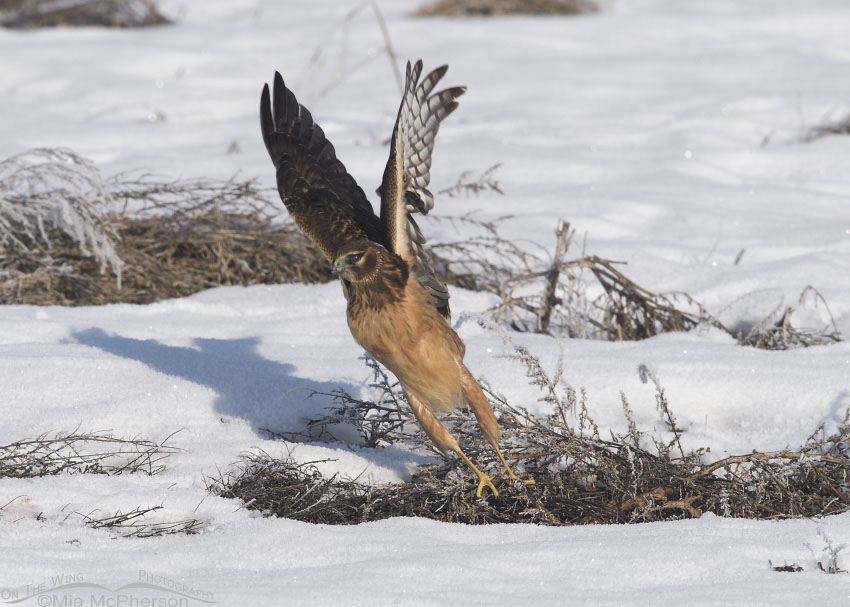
(404, 189)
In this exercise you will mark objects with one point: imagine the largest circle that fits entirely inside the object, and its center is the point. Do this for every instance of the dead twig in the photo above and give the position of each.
(81, 452)
(136, 523)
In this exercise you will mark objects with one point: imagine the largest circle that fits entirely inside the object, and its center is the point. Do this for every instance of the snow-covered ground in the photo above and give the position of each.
(667, 132)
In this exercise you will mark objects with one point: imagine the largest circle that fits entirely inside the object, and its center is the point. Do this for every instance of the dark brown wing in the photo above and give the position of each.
(408, 172)
(323, 199)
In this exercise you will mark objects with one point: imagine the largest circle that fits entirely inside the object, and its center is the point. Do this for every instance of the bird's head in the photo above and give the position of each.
(358, 261)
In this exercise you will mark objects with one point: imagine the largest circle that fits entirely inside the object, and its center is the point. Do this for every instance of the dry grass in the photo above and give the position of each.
(48, 194)
(549, 293)
(82, 453)
(581, 477)
(837, 127)
(487, 8)
(380, 423)
(775, 332)
(196, 234)
(138, 523)
(546, 291)
(31, 14)
(70, 237)
(467, 186)
(93, 453)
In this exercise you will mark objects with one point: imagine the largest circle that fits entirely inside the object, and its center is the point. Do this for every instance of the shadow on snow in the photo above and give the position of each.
(265, 393)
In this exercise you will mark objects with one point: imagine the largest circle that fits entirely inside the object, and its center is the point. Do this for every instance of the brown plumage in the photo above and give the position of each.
(398, 309)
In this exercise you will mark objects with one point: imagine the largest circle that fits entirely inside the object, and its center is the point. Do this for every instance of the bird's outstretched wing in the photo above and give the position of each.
(323, 199)
(404, 189)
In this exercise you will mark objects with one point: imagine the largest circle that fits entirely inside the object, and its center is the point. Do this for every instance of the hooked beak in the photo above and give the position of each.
(339, 265)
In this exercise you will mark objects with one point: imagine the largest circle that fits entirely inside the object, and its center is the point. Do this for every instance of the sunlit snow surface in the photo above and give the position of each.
(667, 132)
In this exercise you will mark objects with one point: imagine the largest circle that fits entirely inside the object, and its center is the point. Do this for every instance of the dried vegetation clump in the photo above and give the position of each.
(837, 127)
(487, 8)
(590, 297)
(775, 332)
(70, 237)
(31, 14)
(51, 195)
(580, 476)
(549, 293)
(190, 235)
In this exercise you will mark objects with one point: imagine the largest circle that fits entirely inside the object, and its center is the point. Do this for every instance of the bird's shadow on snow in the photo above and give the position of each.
(265, 393)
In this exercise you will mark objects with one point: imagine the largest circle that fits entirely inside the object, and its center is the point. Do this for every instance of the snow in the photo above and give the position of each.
(709, 561)
(667, 132)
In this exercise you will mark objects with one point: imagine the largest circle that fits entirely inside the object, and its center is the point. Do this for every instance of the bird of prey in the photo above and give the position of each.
(398, 310)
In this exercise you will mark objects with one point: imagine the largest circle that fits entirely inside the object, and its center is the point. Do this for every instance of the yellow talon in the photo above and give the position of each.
(487, 481)
(508, 468)
(483, 479)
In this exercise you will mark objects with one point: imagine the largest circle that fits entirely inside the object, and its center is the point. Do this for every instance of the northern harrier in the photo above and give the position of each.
(398, 310)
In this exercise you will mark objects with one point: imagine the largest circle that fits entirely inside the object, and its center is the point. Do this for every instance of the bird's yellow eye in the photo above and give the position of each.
(354, 258)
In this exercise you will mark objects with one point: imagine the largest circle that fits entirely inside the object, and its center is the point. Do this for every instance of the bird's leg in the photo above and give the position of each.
(484, 414)
(483, 479)
(508, 468)
(444, 441)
